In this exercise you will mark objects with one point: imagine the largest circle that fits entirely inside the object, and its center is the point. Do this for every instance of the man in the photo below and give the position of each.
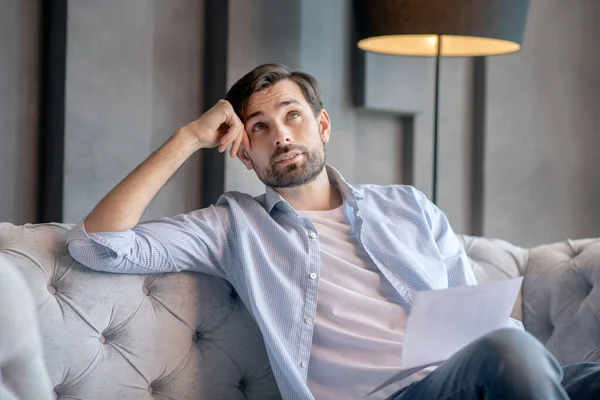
(328, 271)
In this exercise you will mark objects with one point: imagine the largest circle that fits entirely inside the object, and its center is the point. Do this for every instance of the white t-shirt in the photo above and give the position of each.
(360, 324)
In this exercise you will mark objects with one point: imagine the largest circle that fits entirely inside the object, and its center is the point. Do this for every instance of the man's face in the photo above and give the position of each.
(287, 140)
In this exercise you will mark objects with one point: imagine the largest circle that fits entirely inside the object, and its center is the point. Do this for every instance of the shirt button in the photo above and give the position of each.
(303, 364)
(313, 276)
(312, 235)
(308, 320)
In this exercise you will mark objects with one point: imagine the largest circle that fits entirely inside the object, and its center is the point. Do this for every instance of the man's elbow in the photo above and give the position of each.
(94, 256)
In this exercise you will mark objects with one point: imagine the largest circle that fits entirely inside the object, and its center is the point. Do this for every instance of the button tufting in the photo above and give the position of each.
(102, 339)
(146, 291)
(150, 390)
(52, 290)
(196, 337)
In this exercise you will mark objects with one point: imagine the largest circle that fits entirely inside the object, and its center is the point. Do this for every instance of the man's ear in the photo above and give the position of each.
(324, 125)
(243, 156)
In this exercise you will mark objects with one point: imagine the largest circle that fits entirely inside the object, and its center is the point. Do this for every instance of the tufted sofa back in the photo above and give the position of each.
(560, 298)
(187, 336)
(105, 336)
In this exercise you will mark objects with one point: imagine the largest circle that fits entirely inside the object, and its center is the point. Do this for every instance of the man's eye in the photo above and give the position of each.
(293, 114)
(258, 127)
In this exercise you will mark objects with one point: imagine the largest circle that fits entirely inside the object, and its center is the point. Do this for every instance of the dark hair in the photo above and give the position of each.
(266, 75)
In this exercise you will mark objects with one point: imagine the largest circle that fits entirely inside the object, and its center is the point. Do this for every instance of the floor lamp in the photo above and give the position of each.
(440, 28)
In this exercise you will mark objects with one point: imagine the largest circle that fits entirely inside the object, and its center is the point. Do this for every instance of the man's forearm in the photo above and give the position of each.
(122, 208)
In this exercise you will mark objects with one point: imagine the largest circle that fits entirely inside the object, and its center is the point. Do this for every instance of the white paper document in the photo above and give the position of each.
(444, 321)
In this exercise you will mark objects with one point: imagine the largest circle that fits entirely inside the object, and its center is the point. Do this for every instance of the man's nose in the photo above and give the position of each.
(282, 135)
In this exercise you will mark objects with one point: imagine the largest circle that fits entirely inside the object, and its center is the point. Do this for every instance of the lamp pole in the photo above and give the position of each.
(436, 117)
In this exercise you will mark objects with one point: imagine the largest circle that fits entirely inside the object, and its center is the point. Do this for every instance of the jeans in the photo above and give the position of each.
(506, 364)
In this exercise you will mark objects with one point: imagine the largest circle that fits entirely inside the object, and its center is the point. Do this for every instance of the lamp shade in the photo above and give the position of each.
(467, 27)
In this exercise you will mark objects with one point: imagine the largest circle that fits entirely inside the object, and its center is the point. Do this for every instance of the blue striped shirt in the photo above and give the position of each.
(270, 255)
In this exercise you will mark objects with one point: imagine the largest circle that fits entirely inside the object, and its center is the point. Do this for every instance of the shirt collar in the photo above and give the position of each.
(349, 193)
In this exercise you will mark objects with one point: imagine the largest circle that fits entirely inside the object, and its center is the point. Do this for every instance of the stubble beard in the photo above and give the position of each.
(295, 174)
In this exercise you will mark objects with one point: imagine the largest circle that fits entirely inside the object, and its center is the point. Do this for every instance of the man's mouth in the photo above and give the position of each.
(288, 157)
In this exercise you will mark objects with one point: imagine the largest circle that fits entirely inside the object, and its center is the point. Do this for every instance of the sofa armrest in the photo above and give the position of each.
(23, 374)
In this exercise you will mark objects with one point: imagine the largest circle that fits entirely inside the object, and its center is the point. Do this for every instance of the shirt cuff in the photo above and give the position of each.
(119, 242)
(77, 232)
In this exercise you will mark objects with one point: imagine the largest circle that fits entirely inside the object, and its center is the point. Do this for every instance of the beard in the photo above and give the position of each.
(295, 174)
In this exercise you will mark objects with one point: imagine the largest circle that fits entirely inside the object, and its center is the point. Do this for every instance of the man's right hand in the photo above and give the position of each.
(219, 126)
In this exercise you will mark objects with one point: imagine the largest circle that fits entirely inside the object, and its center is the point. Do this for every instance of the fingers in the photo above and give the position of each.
(234, 137)
(227, 138)
(225, 142)
(246, 141)
(235, 146)
(235, 128)
(231, 117)
(242, 142)
(236, 134)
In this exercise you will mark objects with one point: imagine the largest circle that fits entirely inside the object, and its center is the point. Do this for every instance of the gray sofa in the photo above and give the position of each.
(186, 336)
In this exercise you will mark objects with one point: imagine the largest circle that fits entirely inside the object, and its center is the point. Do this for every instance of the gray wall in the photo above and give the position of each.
(543, 129)
(19, 60)
(134, 75)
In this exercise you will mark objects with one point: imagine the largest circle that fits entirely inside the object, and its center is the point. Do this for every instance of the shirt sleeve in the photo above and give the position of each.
(196, 241)
(452, 251)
